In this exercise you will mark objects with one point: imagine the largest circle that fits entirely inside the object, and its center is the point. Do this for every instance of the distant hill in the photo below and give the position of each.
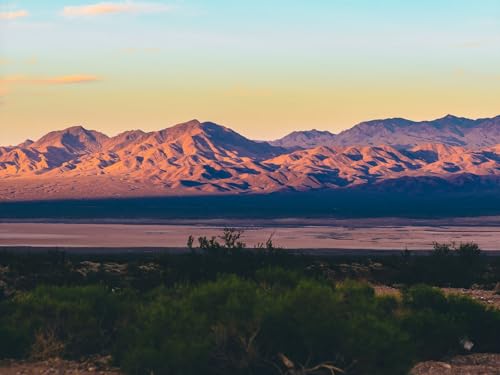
(402, 133)
(305, 139)
(206, 158)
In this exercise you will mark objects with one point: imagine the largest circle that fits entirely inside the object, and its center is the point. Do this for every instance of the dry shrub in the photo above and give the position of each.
(46, 345)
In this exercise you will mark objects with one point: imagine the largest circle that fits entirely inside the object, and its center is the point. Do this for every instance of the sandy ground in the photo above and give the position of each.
(474, 364)
(340, 236)
(57, 366)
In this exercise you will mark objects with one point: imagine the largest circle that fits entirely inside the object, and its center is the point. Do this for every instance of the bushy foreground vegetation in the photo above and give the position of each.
(269, 325)
(224, 310)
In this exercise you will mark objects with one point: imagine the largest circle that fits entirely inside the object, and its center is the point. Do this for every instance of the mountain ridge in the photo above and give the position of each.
(403, 133)
(206, 158)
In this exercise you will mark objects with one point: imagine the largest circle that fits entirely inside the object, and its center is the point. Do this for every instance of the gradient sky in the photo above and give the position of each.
(261, 67)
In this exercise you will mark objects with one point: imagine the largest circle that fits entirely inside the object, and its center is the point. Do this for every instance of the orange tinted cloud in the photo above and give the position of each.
(13, 14)
(61, 80)
(113, 7)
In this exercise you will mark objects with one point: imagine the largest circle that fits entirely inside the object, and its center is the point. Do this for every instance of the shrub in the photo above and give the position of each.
(14, 342)
(439, 324)
(194, 330)
(448, 265)
(234, 326)
(277, 277)
(277, 313)
(83, 319)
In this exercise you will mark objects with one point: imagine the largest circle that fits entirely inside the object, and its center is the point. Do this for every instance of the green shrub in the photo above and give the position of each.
(277, 277)
(204, 320)
(83, 318)
(14, 342)
(439, 325)
(234, 326)
(194, 330)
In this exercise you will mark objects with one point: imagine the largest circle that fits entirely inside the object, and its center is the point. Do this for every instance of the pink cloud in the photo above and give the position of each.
(13, 14)
(114, 7)
(60, 80)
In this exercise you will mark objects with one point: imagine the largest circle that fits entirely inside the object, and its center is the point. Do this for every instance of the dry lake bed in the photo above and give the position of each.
(363, 234)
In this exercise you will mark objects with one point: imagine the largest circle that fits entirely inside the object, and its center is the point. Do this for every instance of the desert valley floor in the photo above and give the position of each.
(352, 234)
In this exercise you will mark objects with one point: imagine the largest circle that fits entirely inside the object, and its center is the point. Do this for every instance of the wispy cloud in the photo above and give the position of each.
(59, 80)
(30, 61)
(12, 15)
(113, 8)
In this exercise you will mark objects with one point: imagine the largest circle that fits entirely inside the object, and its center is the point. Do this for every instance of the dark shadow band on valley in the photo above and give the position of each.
(349, 203)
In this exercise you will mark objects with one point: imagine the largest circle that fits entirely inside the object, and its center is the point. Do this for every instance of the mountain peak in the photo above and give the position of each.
(208, 139)
(76, 130)
(181, 128)
(449, 130)
(75, 139)
(399, 121)
(26, 143)
(305, 139)
(193, 127)
(191, 124)
(450, 117)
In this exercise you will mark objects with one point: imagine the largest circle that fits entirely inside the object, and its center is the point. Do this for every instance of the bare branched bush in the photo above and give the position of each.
(46, 345)
(229, 242)
(298, 369)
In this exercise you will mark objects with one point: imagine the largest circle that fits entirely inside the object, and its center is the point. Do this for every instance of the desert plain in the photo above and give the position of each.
(347, 234)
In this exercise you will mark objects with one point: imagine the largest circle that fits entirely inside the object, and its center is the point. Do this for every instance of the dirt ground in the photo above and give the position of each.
(474, 364)
(59, 367)
(487, 297)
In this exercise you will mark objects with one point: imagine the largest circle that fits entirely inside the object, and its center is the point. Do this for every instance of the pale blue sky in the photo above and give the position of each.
(261, 67)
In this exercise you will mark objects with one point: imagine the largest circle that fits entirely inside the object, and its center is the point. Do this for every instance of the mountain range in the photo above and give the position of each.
(206, 158)
(401, 133)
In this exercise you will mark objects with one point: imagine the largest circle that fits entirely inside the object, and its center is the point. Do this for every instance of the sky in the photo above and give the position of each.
(261, 67)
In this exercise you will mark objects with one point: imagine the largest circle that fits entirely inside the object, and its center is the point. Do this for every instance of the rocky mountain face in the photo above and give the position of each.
(305, 139)
(201, 158)
(401, 133)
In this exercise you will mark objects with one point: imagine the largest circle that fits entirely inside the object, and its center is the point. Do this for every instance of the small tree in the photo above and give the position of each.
(231, 238)
(442, 249)
(458, 265)
(268, 246)
(228, 242)
(468, 250)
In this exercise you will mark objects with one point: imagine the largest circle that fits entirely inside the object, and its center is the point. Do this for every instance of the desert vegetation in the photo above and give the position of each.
(222, 308)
